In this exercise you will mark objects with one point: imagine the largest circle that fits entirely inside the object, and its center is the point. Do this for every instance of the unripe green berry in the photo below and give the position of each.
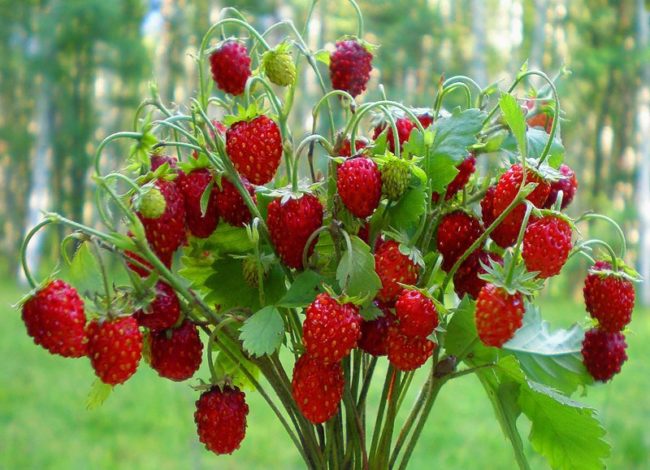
(249, 267)
(395, 177)
(279, 67)
(152, 204)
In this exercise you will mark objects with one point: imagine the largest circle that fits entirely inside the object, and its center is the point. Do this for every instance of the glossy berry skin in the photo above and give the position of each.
(55, 319)
(220, 418)
(603, 353)
(291, 224)
(417, 315)
(426, 119)
(166, 233)
(374, 333)
(358, 183)
(159, 160)
(508, 187)
(487, 206)
(407, 352)
(350, 67)
(404, 127)
(193, 185)
(345, 149)
(393, 267)
(457, 231)
(176, 353)
(466, 169)
(230, 65)
(255, 148)
(114, 348)
(568, 184)
(608, 298)
(498, 315)
(317, 388)
(331, 330)
(466, 278)
(547, 244)
(166, 259)
(163, 312)
(231, 205)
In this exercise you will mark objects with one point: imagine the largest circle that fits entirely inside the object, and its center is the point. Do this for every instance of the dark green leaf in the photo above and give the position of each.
(205, 198)
(514, 117)
(303, 291)
(356, 271)
(263, 332)
(409, 208)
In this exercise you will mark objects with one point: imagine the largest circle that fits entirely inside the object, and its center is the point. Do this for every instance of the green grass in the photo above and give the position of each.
(148, 422)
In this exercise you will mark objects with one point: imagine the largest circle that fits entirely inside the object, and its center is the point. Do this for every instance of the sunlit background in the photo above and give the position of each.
(73, 71)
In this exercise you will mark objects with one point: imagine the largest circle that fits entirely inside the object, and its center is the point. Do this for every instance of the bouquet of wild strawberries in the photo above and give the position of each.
(387, 245)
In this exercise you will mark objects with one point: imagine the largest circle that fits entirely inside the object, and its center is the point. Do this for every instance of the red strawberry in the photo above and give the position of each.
(457, 231)
(465, 171)
(176, 353)
(317, 388)
(505, 234)
(498, 315)
(345, 149)
(544, 119)
(163, 312)
(350, 67)
(603, 353)
(404, 128)
(487, 207)
(55, 318)
(291, 224)
(231, 205)
(359, 185)
(159, 160)
(166, 233)
(609, 298)
(568, 184)
(547, 244)
(374, 333)
(255, 148)
(193, 185)
(466, 278)
(426, 119)
(331, 330)
(114, 348)
(393, 267)
(166, 258)
(416, 313)
(231, 67)
(406, 352)
(220, 419)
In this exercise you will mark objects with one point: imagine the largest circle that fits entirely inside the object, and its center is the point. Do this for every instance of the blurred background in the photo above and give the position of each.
(73, 71)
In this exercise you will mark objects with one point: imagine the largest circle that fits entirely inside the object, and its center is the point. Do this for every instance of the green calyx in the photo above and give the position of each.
(512, 276)
(152, 203)
(395, 177)
(278, 66)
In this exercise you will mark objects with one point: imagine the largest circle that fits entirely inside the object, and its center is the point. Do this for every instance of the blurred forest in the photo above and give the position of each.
(73, 71)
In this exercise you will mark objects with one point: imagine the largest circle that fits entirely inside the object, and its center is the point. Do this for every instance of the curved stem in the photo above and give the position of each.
(107, 140)
(451, 89)
(461, 78)
(306, 141)
(23, 250)
(605, 245)
(619, 231)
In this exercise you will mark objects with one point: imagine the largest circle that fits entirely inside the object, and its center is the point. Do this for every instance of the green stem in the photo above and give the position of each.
(23, 250)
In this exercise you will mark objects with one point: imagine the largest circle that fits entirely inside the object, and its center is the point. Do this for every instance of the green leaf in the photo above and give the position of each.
(98, 394)
(549, 357)
(514, 117)
(462, 337)
(263, 332)
(323, 56)
(409, 208)
(536, 141)
(370, 312)
(205, 198)
(356, 271)
(564, 431)
(83, 272)
(303, 291)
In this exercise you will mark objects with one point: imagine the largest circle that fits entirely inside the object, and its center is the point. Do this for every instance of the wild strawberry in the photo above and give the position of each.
(374, 333)
(55, 319)
(544, 119)
(457, 231)
(345, 149)
(466, 278)
(255, 148)
(416, 313)
(193, 185)
(609, 297)
(278, 65)
(498, 315)
(290, 226)
(603, 353)
(505, 234)
(231, 67)
(167, 232)
(163, 312)
(465, 171)
(317, 388)
(350, 67)
(144, 268)
(231, 205)
(395, 177)
(487, 207)
(407, 352)
(568, 184)
(159, 160)
(220, 419)
(393, 268)
(426, 119)
(359, 185)
(331, 330)
(404, 127)
(547, 244)
(114, 348)
(176, 353)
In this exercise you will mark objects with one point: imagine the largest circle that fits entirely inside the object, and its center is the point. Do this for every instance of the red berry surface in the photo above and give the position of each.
(230, 65)
(465, 171)
(114, 348)
(609, 298)
(176, 353)
(291, 224)
(167, 233)
(547, 244)
(407, 352)
(404, 127)
(568, 184)
(374, 333)
(350, 67)
(603, 353)
(498, 315)
(164, 310)
(331, 330)
(220, 419)
(417, 315)
(317, 388)
(466, 278)
(393, 267)
(193, 185)
(255, 148)
(346, 146)
(359, 185)
(231, 205)
(55, 319)
(457, 231)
